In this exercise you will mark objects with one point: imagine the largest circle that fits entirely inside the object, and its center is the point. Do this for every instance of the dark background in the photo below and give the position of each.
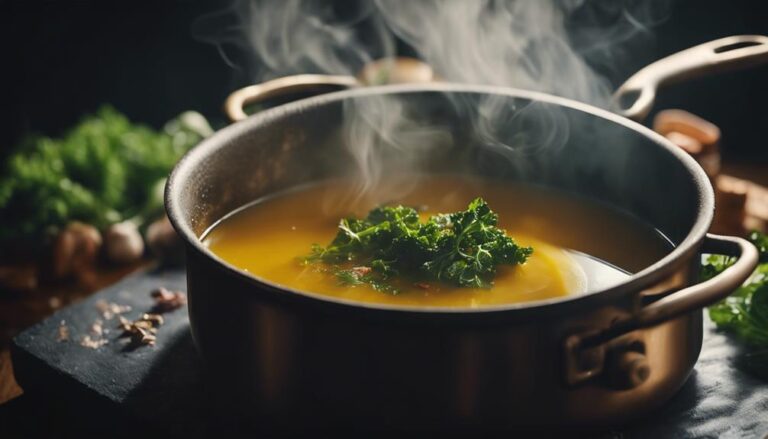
(61, 59)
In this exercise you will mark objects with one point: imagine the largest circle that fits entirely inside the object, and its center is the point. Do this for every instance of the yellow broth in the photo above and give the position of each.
(268, 239)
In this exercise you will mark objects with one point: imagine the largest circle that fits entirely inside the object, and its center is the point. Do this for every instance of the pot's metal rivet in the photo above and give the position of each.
(631, 369)
(591, 359)
(582, 363)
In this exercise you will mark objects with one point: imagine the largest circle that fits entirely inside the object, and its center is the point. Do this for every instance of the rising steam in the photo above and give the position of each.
(570, 48)
(521, 44)
(271, 38)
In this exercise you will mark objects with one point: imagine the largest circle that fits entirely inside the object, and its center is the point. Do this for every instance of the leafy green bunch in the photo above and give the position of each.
(745, 311)
(462, 248)
(104, 170)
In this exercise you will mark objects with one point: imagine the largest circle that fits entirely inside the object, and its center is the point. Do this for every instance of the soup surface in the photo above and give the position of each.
(579, 245)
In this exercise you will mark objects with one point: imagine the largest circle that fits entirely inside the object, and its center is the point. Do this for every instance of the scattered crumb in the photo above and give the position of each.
(109, 310)
(142, 331)
(63, 333)
(102, 305)
(124, 323)
(166, 300)
(97, 328)
(54, 302)
(93, 343)
(155, 319)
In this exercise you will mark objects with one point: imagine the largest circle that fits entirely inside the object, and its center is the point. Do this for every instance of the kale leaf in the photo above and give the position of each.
(462, 248)
(745, 311)
(761, 242)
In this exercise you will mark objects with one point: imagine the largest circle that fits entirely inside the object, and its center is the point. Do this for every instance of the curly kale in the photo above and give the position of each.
(104, 170)
(462, 248)
(745, 311)
(761, 242)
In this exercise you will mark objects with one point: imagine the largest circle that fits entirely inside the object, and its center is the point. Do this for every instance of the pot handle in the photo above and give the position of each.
(635, 98)
(235, 102)
(586, 354)
(690, 298)
(397, 70)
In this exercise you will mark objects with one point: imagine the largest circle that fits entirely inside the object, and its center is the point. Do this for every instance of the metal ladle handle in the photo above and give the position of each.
(635, 98)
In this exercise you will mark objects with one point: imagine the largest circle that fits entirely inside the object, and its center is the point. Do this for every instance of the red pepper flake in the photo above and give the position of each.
(423, 285)
(361, 271)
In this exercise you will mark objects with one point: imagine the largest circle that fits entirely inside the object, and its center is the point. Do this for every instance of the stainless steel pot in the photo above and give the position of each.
(294, 358)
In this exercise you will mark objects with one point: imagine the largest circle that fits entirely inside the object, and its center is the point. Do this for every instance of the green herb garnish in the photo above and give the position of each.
(462, 248)
(745, 311)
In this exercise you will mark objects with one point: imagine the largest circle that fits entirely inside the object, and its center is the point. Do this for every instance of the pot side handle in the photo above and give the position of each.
(635, 98)
(587, 354)
(235, 103)
(690, 298)
(395, 70)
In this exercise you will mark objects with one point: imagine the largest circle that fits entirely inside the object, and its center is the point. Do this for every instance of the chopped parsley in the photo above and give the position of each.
(462, 248)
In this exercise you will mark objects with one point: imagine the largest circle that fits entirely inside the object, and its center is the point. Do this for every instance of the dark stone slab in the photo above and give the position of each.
(161, 388)
(157, 387)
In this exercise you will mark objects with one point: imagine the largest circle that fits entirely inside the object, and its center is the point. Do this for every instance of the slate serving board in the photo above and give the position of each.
(162, 387)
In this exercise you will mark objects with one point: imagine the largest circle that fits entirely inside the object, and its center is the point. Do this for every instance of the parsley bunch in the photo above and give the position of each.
(104, 170)
(462, 248)
(745, 311)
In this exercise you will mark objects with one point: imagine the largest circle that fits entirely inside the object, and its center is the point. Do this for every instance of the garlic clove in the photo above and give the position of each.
(123, 243)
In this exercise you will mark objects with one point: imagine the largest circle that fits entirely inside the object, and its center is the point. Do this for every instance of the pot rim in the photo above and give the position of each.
(636, 283)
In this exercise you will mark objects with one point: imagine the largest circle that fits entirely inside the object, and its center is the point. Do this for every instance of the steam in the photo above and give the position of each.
(541, 45)
(522, 44)
(382, 135)
(271, 38)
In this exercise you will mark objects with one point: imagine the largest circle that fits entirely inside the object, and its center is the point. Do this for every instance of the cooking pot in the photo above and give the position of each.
(295, 358)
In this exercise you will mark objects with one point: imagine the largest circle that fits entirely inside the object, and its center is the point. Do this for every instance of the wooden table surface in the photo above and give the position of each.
(18, 311)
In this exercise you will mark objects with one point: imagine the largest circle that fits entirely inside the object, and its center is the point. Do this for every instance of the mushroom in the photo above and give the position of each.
(123, 243)
(163, 241)
(75, 250)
